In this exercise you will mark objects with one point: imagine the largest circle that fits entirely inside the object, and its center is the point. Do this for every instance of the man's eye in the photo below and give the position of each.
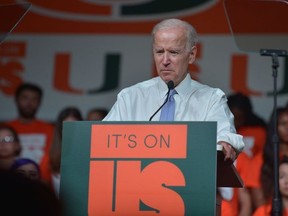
(174, 52)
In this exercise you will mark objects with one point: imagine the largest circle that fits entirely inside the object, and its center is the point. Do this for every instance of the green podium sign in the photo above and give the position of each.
(139, 168)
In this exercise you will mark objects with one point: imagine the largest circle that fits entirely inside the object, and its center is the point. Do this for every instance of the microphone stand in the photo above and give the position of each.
(275, 139)
(169, 89)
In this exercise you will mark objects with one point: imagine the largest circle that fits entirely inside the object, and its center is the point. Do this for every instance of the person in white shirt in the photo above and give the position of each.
(174, 48)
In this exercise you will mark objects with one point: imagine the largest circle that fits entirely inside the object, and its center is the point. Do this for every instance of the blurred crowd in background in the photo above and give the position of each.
(30, 149)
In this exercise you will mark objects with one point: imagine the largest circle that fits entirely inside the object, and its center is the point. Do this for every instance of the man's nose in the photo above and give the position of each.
(166, 59)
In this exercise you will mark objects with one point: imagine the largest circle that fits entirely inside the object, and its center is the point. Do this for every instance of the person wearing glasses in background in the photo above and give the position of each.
(10, 147)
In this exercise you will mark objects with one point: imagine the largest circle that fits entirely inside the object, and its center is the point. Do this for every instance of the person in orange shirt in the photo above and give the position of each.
(35, 135)
(266, 210)
(253, 129)
(251, 126)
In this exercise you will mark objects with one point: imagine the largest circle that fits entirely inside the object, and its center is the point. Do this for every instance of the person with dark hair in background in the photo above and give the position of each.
(241, 106)
(253, 129)
(174, 49)
(35, 134)
(69, 113)
(26, 168)
(267, 171)
(10, 147)
(96, 114)
(266, 210)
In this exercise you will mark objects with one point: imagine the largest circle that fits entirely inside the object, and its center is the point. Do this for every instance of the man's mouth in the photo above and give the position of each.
(166, 70)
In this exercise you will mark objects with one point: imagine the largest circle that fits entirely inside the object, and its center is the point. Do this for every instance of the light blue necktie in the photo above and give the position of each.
(168, 110)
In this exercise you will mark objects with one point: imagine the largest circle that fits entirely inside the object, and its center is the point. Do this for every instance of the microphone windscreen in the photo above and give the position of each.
(170, 84)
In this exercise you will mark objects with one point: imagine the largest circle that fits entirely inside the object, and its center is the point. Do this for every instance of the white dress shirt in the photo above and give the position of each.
(194, 102)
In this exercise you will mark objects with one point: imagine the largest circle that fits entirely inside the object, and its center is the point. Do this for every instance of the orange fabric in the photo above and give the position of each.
(254, 171)
(243, 163)
(45, 168)
(227, 208)
(42, 128)
(265, 210)
(259, 135)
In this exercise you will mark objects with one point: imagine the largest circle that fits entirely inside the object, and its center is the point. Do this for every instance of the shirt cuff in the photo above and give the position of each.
(235, 140)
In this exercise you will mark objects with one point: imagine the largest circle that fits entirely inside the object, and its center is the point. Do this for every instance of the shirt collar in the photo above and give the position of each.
(162, 86)
(182, 89)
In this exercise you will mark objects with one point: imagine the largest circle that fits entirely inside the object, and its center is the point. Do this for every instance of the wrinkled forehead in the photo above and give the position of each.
(170, 37)
(179, 32)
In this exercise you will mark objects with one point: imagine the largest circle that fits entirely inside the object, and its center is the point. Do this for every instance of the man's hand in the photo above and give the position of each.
(229, 152)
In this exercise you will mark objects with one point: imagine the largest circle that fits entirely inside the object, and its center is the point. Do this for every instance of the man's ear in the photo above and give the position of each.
(192, 54)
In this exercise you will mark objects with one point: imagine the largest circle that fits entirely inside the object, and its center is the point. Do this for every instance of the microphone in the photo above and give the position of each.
(170, 86)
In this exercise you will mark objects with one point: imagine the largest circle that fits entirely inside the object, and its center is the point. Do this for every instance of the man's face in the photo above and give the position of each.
(171, 56)
(28, 103)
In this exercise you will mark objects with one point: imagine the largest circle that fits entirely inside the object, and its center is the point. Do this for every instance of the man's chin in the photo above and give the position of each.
(167, 78)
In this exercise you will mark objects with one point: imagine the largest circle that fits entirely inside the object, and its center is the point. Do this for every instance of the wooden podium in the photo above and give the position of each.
(227, 176)
(142, 168)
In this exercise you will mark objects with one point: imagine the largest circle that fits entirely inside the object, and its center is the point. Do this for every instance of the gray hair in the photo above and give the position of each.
(192, 37)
